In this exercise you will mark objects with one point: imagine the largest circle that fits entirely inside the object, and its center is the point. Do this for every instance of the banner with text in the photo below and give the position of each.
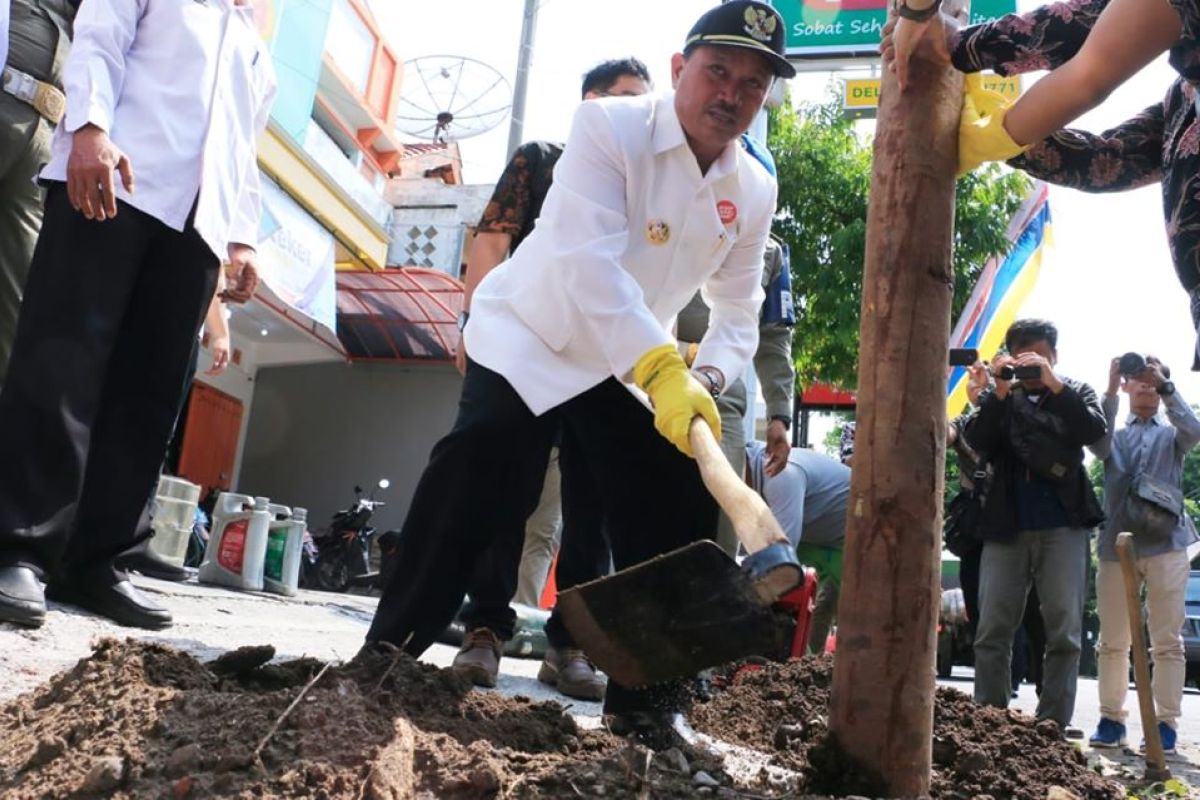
(852, 28)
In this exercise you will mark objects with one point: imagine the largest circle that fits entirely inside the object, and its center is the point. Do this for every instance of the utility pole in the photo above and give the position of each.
(883, 682)
(521, 86)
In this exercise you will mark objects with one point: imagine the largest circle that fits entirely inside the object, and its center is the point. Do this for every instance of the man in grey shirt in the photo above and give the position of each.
(1154, 445)
(809, 498)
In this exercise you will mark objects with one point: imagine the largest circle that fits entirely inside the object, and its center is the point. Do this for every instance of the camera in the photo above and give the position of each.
(963, 356)
(1008, 373)
(1131, 364)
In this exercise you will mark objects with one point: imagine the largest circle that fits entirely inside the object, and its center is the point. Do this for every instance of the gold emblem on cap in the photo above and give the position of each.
(760, 24)
(657, 231)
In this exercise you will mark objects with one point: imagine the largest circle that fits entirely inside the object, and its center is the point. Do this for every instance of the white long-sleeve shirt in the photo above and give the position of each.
(183, 88)
(629, 231)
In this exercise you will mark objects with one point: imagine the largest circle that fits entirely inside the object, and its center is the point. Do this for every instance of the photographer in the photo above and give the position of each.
(1143, 493)
(1032, 427)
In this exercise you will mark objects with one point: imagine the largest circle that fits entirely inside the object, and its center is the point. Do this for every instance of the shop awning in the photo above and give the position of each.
(823, 397)
(406, 314)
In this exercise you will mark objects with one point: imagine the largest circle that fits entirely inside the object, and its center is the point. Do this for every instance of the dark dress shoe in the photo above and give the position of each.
(659, 730)
(120, 601)
(140, 558)
(21, 599)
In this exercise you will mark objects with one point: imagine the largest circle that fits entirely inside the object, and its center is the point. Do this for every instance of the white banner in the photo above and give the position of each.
(296, 256)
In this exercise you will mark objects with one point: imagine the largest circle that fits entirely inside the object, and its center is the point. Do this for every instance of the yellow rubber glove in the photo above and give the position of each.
(981, 133)
(678, 397)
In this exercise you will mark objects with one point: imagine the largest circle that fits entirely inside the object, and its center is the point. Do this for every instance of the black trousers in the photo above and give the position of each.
(109, 317)
(584, 553)
(485, 476)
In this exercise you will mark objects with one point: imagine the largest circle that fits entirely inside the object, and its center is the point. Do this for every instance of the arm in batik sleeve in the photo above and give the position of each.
(1040, 39)
(1125, 157)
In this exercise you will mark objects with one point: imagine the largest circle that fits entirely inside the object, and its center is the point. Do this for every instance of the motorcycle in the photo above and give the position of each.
(343, 551)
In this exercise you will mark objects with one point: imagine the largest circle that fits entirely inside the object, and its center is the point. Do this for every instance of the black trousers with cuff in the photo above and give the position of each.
(109, 317)
(485, 476)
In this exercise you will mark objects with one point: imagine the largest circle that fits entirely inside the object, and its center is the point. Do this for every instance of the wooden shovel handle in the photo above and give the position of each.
(752, 520)
(1156, 761)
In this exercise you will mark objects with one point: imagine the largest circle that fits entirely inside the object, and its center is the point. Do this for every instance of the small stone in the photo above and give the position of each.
(48, 749)
(1060, 793)
(676, 760)
(104, 776)
(786, 734)
(182, 788)
(184, 760)
(229, 761)
(702, 778)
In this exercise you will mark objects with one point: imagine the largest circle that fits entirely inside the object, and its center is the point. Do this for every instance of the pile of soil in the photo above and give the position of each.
(782, 709)
(137, 719)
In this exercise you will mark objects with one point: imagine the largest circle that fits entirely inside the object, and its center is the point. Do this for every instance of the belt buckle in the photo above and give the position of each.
(49, 102)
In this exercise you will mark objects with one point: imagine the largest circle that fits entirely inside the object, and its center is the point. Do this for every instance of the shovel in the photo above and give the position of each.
(1156, 761)
(692, 608)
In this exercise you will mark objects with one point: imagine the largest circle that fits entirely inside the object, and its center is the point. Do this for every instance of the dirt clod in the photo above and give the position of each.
(104, 776)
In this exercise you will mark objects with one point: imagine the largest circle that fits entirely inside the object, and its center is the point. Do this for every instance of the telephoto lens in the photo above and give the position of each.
(1131, 364)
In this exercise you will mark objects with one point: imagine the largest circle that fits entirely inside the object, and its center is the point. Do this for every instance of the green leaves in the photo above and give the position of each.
(824, 174)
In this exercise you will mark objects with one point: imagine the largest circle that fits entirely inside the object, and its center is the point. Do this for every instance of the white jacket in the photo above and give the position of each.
(593, 287)
(184, 88)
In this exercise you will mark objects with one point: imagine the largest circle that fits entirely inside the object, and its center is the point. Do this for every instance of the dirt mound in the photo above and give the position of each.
(977, 751)
(142, 720)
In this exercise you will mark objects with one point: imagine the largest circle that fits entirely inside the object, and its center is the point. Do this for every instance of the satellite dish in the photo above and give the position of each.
(451, 97)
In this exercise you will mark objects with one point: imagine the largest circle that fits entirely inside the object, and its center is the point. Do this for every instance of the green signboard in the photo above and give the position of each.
(851, 28)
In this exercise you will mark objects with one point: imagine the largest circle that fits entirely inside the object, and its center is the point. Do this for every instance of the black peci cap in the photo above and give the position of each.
(744, 23)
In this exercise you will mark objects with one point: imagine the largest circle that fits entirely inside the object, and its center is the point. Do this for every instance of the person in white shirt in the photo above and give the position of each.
(652, 199)
(169, 97)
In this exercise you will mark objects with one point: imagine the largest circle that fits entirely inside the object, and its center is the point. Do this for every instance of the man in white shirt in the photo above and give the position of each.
(652, 199)
(122, 274)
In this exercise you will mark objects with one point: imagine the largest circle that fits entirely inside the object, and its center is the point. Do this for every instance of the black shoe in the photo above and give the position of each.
(120, 601)
(140, 558)
(658, 730)
(21, 599)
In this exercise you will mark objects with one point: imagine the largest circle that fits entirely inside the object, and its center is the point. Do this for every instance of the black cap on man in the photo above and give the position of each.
(747, 24)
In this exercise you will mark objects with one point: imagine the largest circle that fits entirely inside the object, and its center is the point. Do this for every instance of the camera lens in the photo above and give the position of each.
(1007, 373)
(1131, 364)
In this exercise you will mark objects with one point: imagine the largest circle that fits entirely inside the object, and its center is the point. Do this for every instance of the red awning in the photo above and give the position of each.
(405, 314)
(822, 396)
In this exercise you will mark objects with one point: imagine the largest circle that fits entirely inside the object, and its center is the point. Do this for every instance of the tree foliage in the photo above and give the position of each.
(824, 176)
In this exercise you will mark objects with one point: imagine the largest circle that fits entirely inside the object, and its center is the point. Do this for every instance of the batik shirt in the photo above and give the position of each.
(1162, 143)
(517, 199)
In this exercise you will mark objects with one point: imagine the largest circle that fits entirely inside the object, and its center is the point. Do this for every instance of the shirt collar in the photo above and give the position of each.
(1134, 419)
(668, 134)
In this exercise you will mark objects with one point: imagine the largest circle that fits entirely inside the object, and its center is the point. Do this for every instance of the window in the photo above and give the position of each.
(350, 44)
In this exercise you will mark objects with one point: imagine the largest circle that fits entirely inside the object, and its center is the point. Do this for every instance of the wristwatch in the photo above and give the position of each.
(917, 15)
(462, 320)
(1167, 389)
(714, 386)
(786, 420)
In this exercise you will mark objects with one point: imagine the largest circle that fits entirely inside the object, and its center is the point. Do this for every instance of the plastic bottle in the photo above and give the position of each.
(238, 544)
(175, 503)
(281, 570)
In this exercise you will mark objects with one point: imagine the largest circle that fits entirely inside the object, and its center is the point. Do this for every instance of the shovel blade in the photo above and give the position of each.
(671, 616)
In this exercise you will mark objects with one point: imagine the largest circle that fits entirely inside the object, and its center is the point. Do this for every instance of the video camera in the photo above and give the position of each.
(1008, 373)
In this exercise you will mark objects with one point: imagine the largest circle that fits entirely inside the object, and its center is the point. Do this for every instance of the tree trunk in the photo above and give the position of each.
(883, 684)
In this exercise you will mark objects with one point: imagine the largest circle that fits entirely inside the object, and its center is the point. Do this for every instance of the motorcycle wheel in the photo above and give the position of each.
(332, 574)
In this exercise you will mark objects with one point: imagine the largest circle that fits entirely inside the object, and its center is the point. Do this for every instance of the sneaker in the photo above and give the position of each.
(1167, 734)
(478, 659)
(572, 673)
(1109, 733)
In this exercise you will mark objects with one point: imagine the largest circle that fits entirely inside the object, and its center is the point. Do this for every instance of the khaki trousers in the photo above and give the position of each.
(543, 530)
(1165, 579)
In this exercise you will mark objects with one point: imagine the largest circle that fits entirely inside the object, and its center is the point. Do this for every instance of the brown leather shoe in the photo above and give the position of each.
(478, 659)
(571, 672)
